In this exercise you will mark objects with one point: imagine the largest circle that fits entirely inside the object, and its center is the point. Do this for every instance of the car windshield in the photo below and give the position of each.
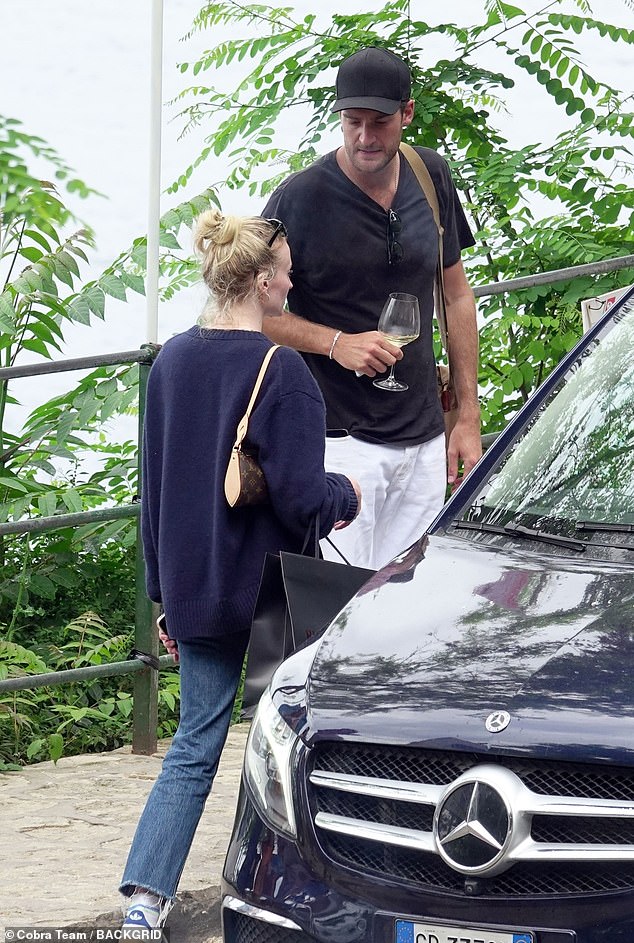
(571, 473)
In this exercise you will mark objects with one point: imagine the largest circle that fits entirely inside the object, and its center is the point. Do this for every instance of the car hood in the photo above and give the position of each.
(454, 630)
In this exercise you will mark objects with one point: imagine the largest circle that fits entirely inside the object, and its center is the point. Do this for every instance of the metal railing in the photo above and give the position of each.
(145, 714)
(555, 276)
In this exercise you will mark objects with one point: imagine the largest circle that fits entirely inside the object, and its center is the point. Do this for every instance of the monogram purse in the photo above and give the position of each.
(245, 483)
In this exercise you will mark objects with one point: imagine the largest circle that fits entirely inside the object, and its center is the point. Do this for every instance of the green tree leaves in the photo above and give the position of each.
(47, 468)
(545, 205)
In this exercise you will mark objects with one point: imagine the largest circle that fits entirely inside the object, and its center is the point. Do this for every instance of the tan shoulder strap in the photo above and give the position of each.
(423, 176)
(243, 425)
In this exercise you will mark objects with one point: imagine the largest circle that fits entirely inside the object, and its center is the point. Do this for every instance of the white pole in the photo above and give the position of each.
(154, 200)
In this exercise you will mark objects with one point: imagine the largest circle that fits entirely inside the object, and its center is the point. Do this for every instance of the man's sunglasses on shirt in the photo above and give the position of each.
(394, 248)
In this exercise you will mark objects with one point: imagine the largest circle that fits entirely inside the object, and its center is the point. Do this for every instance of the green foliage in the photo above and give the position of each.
(34, 726)
(84, 619)
(67, 596)
(41, 292)
(546, 205)
(56, 578)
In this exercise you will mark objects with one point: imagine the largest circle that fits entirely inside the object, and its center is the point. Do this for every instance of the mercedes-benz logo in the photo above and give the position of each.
(497, 721)
(472, 825)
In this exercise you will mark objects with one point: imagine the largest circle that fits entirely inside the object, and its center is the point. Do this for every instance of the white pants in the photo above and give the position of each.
(402, 488)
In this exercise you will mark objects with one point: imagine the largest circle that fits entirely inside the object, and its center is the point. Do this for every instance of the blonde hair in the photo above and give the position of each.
(233, 250)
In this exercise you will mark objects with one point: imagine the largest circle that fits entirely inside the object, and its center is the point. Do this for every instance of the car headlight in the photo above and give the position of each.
(267, 766)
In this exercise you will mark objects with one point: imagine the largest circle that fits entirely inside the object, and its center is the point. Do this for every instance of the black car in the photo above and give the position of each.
(453, 760)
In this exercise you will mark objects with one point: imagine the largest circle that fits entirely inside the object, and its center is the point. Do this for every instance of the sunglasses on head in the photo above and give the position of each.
(279, 229)
(394, 248)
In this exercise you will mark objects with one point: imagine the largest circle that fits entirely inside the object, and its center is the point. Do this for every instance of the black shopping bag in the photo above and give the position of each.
(298, 598)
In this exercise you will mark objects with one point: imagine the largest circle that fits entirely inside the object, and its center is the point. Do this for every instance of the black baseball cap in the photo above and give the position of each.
(373, 78)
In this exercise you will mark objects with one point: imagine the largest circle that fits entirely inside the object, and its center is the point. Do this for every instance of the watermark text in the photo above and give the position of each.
(82, 934)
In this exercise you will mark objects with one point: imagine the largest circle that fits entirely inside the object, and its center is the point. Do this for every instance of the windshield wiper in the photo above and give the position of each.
(533, 533)
(605, 526)
(480, 525)
(519, 530)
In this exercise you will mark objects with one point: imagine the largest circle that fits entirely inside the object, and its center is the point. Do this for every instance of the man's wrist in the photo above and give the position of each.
(332, 345)
(469, 411)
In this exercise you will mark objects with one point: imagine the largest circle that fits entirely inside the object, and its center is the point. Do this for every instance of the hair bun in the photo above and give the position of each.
(208, 227)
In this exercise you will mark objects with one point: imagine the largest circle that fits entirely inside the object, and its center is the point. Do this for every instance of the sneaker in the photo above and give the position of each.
(146, 911)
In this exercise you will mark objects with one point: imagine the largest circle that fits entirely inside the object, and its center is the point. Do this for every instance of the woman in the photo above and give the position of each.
(204, 558)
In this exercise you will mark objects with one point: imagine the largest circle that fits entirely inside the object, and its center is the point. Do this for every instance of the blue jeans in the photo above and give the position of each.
(210, 672)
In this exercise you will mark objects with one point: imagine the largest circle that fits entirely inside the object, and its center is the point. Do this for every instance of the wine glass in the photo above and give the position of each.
(400, 324)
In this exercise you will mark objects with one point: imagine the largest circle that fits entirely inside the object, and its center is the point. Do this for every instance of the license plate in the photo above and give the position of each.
(409, 932)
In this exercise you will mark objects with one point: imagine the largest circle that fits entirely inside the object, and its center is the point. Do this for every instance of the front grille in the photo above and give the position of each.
(392, 859)
(370, 809)
(430, 872)
(240, 928)
(408, 765)
(562, 829)
(405, 765)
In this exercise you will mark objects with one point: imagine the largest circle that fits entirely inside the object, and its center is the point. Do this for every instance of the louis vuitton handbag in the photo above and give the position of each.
(245, 483)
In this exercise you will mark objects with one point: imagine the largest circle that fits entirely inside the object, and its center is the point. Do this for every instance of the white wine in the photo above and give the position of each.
(399, 340)
(399, 323)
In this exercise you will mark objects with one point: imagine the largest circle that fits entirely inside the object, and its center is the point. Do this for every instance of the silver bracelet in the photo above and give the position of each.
(332, 346)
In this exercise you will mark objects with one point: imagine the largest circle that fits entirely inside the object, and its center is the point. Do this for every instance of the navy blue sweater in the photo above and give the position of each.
(204, 559)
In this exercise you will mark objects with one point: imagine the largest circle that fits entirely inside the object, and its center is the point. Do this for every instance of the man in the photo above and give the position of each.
(359, 228)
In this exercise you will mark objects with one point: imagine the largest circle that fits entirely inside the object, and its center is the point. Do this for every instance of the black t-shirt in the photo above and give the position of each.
(341, 278)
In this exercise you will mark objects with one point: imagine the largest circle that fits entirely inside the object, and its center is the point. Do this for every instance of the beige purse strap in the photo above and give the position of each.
(243, 425)
(423, 176)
